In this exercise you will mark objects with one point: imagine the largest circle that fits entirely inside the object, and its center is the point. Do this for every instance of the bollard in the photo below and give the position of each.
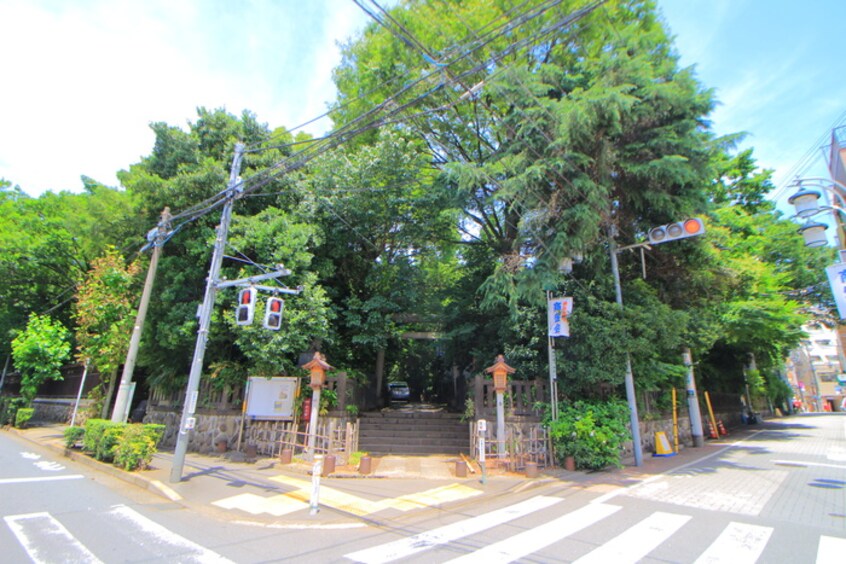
(570, 464)
(286, 456)
(328, 465)
(460, 469)
(364, 465)
(531, 469)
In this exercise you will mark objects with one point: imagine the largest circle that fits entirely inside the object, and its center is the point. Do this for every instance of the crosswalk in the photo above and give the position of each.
(541, 524)
(45, 539)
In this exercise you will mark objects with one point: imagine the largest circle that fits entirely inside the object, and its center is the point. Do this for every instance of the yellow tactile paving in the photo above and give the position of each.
(299, 498)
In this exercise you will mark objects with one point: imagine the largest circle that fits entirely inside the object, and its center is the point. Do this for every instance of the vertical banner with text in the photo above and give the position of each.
(558, 311)
(837, 279)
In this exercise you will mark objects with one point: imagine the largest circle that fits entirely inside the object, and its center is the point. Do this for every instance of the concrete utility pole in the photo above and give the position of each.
(630, 389)
(191, 391)
(127, 386)
(693, 401)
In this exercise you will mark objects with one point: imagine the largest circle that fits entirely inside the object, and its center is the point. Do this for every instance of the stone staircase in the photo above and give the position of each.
(413, 431)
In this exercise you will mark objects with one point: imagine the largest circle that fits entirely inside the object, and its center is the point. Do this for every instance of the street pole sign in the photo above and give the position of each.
(837, 279)
(558, 312)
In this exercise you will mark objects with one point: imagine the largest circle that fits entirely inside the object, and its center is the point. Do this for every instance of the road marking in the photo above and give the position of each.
(46, 540)
(739, 543)
(149, 533)
(4, 481)
(30, 455)
(539, 537)
(330, 497)
(831, 550)
(802, 463)
(638, 541)
(49, 466)
(442, 535)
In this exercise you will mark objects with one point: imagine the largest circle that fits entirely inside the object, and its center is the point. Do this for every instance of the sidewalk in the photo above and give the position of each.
(265, 490)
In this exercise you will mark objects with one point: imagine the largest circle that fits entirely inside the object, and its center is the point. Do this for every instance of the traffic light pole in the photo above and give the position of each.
(192, 390)
(121, 409)
(630, 389)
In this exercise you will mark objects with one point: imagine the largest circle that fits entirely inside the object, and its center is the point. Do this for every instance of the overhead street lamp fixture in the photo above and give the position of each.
(806, 203)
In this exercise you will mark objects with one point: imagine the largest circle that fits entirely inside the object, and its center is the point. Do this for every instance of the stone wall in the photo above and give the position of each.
(60, 410)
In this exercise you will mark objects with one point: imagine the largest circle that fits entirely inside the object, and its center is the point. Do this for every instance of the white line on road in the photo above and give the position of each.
(158, 535)
(739, 543)
(621, 491)
(638, 541)
(4, 481)
(831, 550)
(802, 463)
(541, 536)
(46, 540)
(442, 535)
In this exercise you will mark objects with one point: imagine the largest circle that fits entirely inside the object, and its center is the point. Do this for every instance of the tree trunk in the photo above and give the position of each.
(107, 399)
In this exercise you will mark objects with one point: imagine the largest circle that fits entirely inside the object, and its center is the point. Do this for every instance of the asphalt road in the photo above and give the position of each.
(777, 496)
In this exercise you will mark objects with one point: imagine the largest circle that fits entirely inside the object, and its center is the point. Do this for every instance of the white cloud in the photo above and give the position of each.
(90, 76)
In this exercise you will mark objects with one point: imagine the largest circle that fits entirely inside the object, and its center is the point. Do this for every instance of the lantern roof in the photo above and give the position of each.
(500, 366)
(319, 361)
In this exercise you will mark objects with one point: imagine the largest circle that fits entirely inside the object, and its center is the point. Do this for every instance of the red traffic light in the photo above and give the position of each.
(246, 306)
(678, 230)
(273, 313)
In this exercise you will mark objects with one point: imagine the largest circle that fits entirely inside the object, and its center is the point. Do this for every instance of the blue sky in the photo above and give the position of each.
(81, 80)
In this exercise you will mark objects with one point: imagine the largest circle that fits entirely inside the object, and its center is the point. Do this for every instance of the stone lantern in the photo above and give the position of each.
(317, 367)
(500, 371)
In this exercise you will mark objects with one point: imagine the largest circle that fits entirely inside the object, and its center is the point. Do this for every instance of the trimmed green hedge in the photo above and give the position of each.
(23, 416)
(128, 446)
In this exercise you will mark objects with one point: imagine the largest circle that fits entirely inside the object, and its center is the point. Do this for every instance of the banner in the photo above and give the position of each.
(559, 309)
(837, 280)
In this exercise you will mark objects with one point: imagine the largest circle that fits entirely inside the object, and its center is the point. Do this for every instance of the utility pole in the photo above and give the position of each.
(191, 391)
(693, 401)
(630, 389)
(127, 386)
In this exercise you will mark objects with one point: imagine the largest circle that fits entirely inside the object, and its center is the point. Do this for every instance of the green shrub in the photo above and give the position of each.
(592, 433)
(136, 447)
(23, 415)
(9, 408)
(73, 435)
(101, 437)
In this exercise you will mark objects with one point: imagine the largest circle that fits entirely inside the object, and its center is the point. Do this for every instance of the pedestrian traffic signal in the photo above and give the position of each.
(273, 313)
(246, 306)
(678, 230)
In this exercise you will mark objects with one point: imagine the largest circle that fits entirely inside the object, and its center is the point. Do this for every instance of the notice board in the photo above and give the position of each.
(271, 398)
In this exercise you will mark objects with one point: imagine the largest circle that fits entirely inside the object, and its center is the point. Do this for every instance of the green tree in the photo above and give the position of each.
(39, 352)
(104, 314)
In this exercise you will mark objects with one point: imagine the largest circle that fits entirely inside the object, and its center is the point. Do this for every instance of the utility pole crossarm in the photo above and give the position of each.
(253, 279)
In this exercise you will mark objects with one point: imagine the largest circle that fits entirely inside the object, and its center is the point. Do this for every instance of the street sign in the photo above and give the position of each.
(558, 312)
(837, 279)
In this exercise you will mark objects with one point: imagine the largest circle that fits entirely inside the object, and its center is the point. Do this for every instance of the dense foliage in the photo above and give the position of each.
(475, 164)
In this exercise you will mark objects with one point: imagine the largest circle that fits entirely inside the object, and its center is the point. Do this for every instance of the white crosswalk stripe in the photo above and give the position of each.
(637, 541)
(542, 536)
(46, 540)
(442, 535)
(737, 543)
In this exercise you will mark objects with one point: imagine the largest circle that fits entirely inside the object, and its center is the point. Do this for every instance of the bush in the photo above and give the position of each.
(136, 447)
(129, 446)
(9, 408)
(101, 437)
(73, 435)
(592, 433)
(23, 415)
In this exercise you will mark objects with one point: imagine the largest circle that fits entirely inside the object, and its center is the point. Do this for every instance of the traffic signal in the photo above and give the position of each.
(273, 313)
(246, 306)
(678, 230)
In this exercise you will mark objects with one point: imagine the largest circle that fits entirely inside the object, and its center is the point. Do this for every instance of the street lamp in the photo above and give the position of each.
(806, 203)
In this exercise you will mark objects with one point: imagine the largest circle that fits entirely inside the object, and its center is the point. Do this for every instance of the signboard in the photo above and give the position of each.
(271, 398)
(558, 310)
(837, 280)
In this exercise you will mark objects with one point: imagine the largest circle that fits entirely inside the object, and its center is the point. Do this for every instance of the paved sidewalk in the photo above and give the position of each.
(265, 490)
